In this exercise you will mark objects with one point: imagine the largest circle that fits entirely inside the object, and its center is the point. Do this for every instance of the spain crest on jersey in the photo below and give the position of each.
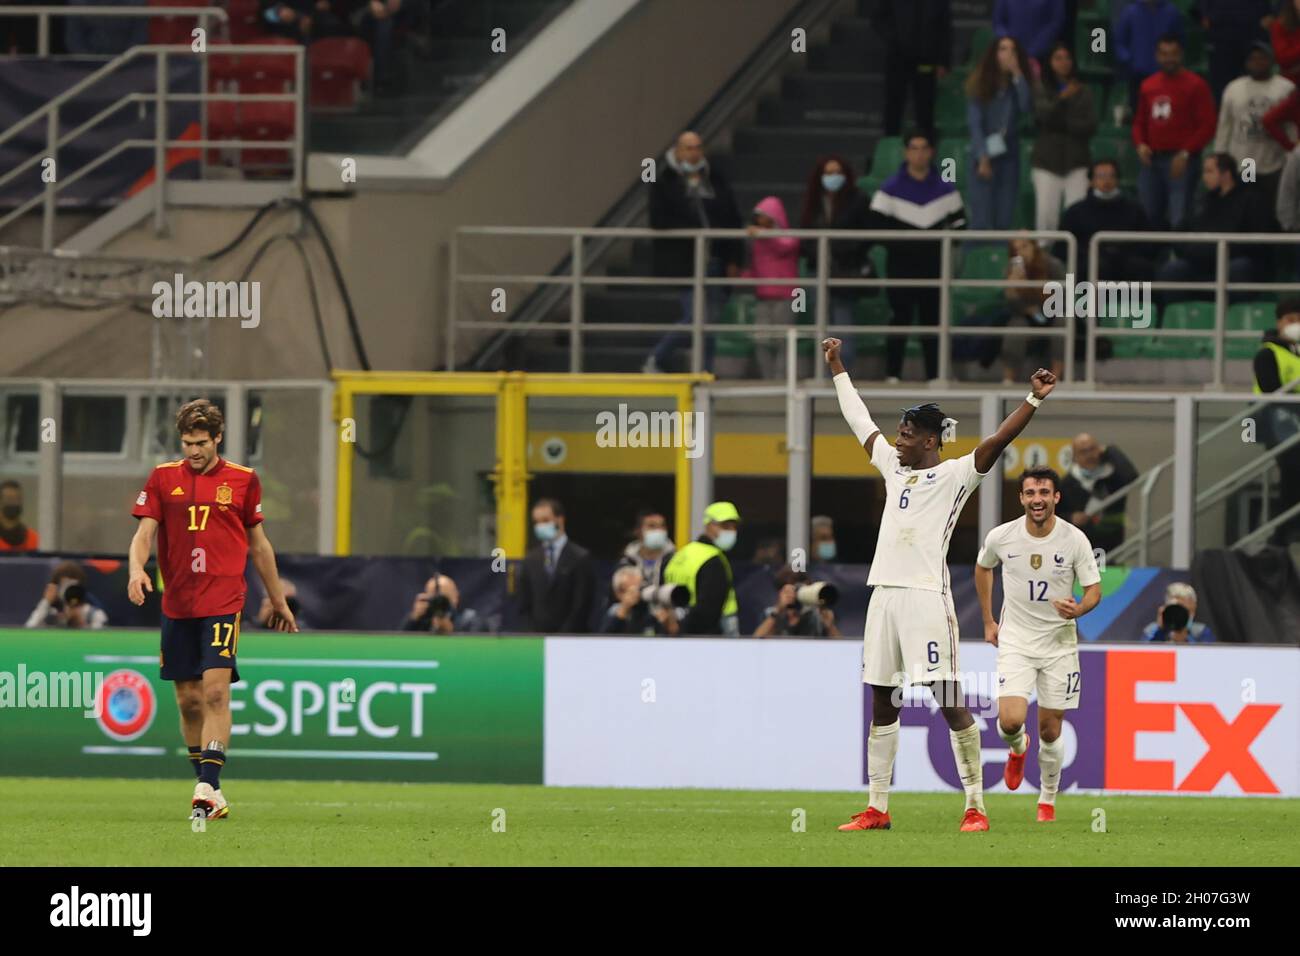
(225, 494)
(1035, 561)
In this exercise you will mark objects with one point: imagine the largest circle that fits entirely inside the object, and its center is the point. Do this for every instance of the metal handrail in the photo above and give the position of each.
(1266, 529)
(822, 282)
(43, 14)
(161, 142)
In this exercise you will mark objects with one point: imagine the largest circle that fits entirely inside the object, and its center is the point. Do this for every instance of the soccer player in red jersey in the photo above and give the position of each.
(207, 514)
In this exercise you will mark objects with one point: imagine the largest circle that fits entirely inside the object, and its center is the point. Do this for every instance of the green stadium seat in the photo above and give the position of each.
(886, 157)
(739, 311)
(950, 110)
(1185, 315)
(1255, 316)
(1119, 149)
(985, 261)
(872, 311)
(980, 41)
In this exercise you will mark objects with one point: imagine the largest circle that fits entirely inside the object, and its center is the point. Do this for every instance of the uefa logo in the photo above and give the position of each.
(128, 706)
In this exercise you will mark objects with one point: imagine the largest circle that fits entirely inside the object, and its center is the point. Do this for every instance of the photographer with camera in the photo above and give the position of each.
(1175, 620)
(437, 609)
(802, 609)
(266, 612)
(66, 602)
(643, 609)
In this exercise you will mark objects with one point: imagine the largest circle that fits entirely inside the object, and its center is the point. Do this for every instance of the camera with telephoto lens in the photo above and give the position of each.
(1174, 617)
(439, 606)
(817, 594)
(70, 595)
(666, 595)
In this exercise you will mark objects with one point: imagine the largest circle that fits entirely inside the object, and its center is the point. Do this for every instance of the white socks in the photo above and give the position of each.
(1049, 769)
(966, 748)
(1017, 741)
(882, 745)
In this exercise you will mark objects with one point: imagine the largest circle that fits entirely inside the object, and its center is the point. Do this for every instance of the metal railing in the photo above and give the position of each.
(43, 14)
(822, 283)
(1219, 285)
(161, 97)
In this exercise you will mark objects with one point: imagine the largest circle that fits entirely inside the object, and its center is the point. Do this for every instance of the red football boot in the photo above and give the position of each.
(1015, 771)
(1046, 813)
(974, 821)
(868, 819)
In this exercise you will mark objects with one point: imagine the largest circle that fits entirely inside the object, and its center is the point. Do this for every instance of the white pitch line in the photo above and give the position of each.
(130, 751)
(338, 754)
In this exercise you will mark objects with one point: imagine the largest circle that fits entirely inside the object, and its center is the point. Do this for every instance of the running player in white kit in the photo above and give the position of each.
(911, 633)
(1038, 644)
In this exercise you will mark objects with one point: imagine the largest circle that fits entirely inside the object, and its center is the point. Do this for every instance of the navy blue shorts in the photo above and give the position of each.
(192, 645)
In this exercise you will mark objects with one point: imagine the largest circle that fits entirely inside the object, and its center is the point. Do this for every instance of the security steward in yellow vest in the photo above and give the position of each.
(1277, 365)
(702, 566)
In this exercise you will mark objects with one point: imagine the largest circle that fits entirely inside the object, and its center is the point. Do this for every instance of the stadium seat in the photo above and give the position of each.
(339, 65)
(887, 157)
(1255, 316)
(245, 20)
(985, 261)
(979, 42)
(1119, 149)
(738, 311)
(1185, 315)
(950, 108)
(170, 30)
(265, 121)
(266, 73)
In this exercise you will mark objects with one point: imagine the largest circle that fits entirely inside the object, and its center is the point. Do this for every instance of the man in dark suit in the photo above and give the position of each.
(557, 583)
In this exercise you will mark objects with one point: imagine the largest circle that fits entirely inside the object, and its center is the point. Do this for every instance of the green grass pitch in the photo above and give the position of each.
(97, 822)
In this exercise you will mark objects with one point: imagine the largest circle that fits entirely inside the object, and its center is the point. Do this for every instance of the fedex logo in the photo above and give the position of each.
(1227, 736)
(1162, 108)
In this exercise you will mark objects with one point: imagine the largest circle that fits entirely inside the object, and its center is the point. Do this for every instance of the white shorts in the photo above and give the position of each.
(1055, 678)
(911, 638)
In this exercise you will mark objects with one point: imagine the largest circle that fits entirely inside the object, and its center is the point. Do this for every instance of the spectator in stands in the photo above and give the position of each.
(380, 23)
(1175, 120)
(702, 565)
(823, 539)
(772, 258)
(1280, 122)
(265, 610)
(788, 617)
(290, 19)
(832, 200)
(998, 97)
(1236, 26)
(437, 609)
(1105, 209)
(1065, 117)
(770, 552)
(917, 39)
(1287, 208)
(104, 36)
(1034, 24)
(1175, 619)
(1285, 34)
(1241, 133)
(1095, 473)
(1227, 206)
(1026, 259)
(1277, 369)
(688, 192)
(557, 580)
(632, 614)
(915, 197)
(14, 535)
(66, 602)
(652, 547)
(1142, 26)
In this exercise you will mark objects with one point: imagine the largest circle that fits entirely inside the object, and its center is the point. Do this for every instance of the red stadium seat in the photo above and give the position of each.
(266, 121)
(266, 73)
(172, 30)
(339, 65)
(245, 20)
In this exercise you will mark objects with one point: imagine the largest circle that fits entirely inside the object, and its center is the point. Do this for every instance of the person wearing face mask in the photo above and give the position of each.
(823, 538)
(557, 580)
(832, 200)
(14, 535)
(1104, 209)
(1096, 472)
(66, 602)
(652, 547)
(702, 566)
(1277, 369)
(1175, 621)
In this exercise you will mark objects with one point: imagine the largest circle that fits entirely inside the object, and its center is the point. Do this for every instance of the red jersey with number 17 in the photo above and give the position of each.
(203, 523)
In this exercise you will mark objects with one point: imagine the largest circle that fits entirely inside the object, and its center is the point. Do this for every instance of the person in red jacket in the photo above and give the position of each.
(1282, 118)
(1285, 34)
(1175, 120)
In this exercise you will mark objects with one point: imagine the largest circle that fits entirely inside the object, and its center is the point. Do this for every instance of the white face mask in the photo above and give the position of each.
(1291, 331)
(545, 530)
(1100, 194)
(726, 539)
(654, 538)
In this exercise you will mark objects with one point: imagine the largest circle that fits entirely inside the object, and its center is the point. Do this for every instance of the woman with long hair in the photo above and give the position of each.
(1066, 118)
(1024, 304)
(998, 96)
(832, 200)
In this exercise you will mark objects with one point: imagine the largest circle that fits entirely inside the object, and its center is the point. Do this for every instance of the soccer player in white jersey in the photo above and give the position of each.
(911, 632)
(1038, 645)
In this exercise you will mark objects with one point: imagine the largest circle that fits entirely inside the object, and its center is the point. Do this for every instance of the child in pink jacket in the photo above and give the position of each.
(775, 258)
